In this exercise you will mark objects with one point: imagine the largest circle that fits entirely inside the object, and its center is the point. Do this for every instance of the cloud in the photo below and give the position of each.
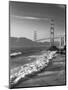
(29, 18)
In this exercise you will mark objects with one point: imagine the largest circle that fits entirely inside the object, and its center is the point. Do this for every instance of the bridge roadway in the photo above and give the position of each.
(58, 37)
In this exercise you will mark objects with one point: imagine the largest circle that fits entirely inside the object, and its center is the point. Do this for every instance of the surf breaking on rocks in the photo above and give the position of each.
(23, 71)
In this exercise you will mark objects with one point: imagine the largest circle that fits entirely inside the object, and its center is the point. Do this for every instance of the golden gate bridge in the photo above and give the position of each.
(52, 37)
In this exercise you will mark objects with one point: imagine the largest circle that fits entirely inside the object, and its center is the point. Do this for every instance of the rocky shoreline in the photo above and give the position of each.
(22, 72)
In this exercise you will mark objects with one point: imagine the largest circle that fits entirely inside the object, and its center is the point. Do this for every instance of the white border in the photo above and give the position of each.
(4, 51)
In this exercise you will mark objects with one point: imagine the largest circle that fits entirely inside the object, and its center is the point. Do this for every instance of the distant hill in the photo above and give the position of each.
(25, 45)
(16, 43)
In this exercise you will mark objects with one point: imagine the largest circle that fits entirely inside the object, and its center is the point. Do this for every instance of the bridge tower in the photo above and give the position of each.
(52, 33)
(62, 41)
(35, 35)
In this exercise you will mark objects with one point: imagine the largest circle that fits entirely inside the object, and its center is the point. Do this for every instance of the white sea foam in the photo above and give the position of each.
(41, 62)
(15, 53)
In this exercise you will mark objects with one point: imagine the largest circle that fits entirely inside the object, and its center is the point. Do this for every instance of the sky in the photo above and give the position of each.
(25, 18)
